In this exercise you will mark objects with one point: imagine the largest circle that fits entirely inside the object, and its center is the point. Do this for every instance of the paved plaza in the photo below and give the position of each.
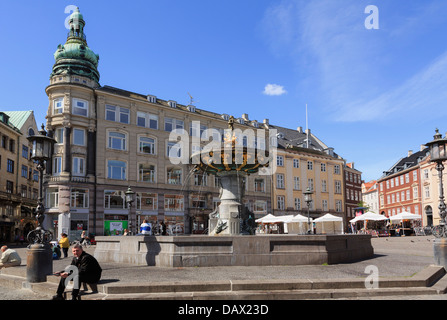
(393, 257)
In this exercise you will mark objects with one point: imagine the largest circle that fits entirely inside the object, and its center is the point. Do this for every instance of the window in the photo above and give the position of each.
(79, 198)
(116, 169)
(280, 201)
(24, 191)
(174, 176)
(325, 206)
(427, 192)
(147, 145)
(52, 197)
(25, 151)
(59, 135)
(117, 114)
(58, 105)
(9, 186)
(198, 201)
(336, 169)
(200, 179)
(338, 206)
(10, 166)
(114, 199)
(147, 120)
(78, 166)
(323, 167)
(173, 202)
(198, 130)
(79, 137)
(337, 186)
(117, 141)
(280, 181)
(425, 173)
(297, 204)
(57, 165)
(415, 175)
(146, 172)
(310, 184)
(279, 161)
(296, 163)
(323, 186)
(147, 201)
(24, 171)
(296, 183)
(310, 165)
(259, 185)
(171, 124)
(173, 150)
(80, 107)
(260, 206)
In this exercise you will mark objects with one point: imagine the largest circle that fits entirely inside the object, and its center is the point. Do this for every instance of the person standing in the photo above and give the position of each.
(10, 258)
(65, 244)
(87, 268)
(146, 228)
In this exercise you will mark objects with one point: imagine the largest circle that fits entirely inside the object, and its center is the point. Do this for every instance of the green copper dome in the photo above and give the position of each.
(75, 57)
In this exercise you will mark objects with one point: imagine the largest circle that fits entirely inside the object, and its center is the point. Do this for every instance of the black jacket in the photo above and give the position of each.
(88, 268)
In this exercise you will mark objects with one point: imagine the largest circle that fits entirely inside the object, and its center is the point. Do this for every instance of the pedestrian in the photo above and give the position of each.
(87, 268)
(163, 228)
(126, 232)
(65, 244)
(10, 258)
(146, 228)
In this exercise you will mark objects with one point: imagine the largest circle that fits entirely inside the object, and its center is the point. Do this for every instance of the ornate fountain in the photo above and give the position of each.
(232, 163)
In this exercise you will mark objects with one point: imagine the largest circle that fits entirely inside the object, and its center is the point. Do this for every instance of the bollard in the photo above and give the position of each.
(39, 262)
(440, 252)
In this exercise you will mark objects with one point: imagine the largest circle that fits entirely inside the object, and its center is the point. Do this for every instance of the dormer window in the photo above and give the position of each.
(191, 108)
(152, 99)
(226, 117)
(172, 104)
(241, 121)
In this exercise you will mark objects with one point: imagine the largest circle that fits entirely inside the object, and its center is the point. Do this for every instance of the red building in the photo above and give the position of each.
(400, 186)
(353, 190)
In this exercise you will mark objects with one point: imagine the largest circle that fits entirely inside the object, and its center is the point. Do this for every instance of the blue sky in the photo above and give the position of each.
(372, 94)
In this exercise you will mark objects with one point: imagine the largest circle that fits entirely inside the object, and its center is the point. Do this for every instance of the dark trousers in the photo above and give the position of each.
(75, 292)
(65, 250)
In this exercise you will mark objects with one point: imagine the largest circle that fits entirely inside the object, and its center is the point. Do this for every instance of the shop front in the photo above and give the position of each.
(115, 224)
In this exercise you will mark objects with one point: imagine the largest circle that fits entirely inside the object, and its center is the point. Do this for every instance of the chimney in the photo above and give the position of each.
(266, 121)
(410, 152)
(300, 129)
(245, 116)
(422, 147)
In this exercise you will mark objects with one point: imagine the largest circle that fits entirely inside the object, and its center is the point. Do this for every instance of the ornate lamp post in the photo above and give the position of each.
(438, 154)
(308, 199)
(39, 255)
(129, 200)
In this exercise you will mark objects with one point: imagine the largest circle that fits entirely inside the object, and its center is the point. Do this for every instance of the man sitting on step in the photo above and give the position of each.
(84, 268)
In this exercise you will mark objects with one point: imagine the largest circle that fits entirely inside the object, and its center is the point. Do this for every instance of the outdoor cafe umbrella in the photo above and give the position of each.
(404, 215)
(369, 216)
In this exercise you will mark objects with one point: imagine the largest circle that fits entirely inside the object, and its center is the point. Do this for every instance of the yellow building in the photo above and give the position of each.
(18, 176)
(303, 161)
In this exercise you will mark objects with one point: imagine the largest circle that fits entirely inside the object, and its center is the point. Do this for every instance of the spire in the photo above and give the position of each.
(76, 23)
(75, 57)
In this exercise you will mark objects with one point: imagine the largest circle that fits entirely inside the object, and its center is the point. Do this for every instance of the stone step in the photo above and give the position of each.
(431, 280)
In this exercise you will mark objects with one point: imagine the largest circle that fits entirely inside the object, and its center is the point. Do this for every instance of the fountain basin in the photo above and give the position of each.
(235, 250)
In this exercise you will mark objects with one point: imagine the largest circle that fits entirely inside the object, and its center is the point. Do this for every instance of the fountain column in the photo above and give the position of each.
(227, 221)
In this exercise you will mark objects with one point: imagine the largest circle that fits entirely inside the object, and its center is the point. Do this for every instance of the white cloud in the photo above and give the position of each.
(274, 90)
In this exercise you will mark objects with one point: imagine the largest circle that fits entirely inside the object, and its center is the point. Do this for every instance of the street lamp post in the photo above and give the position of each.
(308, 199)
(129, 200)
(39, 255)
(438, 154)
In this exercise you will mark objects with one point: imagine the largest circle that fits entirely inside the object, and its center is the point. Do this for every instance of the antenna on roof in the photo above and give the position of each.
(307, 129)
(191, 99)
